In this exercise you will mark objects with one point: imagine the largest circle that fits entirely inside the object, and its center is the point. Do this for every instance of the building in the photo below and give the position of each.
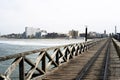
(82, 35)
(92, 34)
(55, 35)
(73, 34)
(32, 32)
(43, 33)
(104, 32)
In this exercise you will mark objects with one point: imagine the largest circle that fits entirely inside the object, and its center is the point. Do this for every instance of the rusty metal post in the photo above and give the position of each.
(21, 70)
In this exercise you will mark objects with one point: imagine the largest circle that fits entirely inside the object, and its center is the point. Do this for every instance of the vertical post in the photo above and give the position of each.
(115, 29)
(57, 58)
(44, 63)
(86, 34)
(66, 55)
(21, 70)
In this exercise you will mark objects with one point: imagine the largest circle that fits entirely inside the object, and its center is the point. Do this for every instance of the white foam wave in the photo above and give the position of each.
(28, 43)
(40, 42)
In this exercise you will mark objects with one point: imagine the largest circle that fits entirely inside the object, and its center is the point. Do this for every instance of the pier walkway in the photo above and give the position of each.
(93, 60)
(73, 70)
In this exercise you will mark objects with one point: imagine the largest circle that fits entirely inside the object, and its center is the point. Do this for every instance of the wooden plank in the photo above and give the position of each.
(44, 63)
(32, 70)
(33, 65)
(51, 59)
(21, 70)
(12, 66)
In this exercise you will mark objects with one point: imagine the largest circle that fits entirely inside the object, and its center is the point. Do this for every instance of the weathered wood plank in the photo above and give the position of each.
(21, 70)
(32, 70)
(51, 60)
(12, 67)
(33, 65)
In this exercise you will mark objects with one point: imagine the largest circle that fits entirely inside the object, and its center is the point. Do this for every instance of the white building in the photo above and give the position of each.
(30, 31)
(73, 34)
(92, 34)
(34, 32)
(43, 32)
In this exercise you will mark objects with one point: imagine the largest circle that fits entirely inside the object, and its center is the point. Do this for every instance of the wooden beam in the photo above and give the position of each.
(21, 70)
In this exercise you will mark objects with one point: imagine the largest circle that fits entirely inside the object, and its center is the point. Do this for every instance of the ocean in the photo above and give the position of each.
(14, 46)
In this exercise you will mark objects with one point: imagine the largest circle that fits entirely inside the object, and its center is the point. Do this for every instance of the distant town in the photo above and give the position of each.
(37, 33)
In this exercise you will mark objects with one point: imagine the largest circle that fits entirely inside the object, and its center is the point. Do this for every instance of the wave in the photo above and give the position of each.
(27, 43)
(43, 42)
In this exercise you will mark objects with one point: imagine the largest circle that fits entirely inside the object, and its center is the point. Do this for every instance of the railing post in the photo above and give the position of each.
(83, 48)
(57, 58)
(44, 63)
(86, 34)
(86, 46)
(21, 70)
(66, 55)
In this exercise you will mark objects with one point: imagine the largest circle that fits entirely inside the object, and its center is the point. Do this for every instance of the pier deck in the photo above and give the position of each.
(72, 69)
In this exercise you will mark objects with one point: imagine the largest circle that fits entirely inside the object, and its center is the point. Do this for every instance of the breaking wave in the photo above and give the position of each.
(41, 42)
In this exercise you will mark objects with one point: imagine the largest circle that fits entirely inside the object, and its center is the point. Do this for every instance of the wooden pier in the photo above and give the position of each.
(93, 60)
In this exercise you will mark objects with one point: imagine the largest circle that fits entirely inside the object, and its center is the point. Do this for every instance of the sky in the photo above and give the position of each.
(59, 15)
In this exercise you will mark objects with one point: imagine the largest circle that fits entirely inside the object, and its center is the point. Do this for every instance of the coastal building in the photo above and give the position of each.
(82, 35)
(105, 32)
(55, 35)
(92, 34)
(30, 31)
(73, 34)
(97, 35)
(43, 33)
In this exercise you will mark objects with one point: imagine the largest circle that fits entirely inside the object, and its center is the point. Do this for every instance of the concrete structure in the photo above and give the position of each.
(82, 35)
(30, 31)
(105, 32)
(73, 34)
(92, 34)
(43, 33)
(97, 35)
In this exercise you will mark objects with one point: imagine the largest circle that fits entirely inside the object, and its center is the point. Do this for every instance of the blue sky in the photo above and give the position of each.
(59, 15)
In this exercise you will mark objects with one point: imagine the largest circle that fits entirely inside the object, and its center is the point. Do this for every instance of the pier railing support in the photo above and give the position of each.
(44, 63)
(21, 70)
(57, 58)
(86, 34)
